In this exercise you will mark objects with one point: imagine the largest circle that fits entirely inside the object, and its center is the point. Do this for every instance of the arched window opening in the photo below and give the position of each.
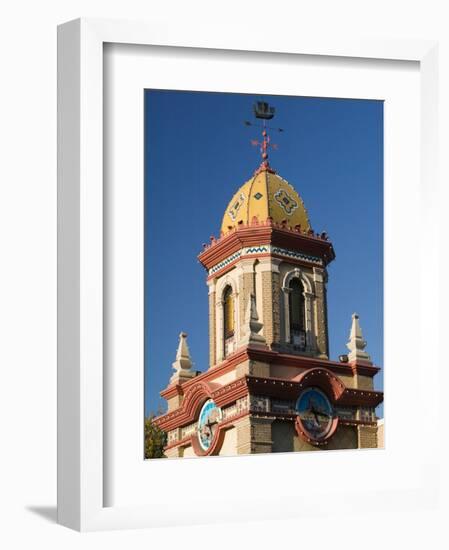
(297, 314)
(228, 320)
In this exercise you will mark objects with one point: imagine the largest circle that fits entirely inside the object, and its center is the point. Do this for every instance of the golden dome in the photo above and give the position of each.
(265, 195)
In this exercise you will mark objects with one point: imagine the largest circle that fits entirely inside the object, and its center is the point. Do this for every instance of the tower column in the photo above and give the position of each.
(219, 329)
(261, 436)
(269, 271)
(320, 313)
(212, 324)
(367, 437)
(246, 285)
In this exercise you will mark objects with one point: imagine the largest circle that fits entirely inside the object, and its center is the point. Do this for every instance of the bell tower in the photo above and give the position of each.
(268, 249)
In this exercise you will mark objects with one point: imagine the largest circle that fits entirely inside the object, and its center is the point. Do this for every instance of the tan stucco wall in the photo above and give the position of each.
(189, 452)
(320, 317)
(229, 447)
(243, 428)
(225, 378)
(381, 434)
(246, 286)
(344, 438)
(253, 368)
(367, 437)
(280, 371)
(174, 402)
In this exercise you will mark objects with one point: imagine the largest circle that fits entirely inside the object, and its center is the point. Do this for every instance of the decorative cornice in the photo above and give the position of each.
(225, 366)
(225, 395)
(306, 362)
(272, 357)
(224, 263)
(339, 394)
(292, 254)
(263, 250)
(196, 396)
(258, 234)
(368, 398)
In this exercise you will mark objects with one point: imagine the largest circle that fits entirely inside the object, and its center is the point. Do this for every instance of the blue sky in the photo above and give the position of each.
(197, 154)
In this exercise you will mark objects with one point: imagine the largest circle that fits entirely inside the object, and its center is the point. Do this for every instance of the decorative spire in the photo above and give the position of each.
(183, 364)
(356, 344)
(252, 326)
(263, 111)
(264, 149)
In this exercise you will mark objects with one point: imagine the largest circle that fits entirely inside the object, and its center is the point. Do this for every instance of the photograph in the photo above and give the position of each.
(263, 274)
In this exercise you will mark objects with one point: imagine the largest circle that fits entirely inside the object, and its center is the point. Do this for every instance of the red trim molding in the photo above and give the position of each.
(196, 396)
(266, 355)
(280, 388)
(215, 445)
(266, 233)
(227, 365)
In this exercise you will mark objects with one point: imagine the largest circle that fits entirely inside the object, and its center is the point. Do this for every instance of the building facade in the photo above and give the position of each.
(270, 385)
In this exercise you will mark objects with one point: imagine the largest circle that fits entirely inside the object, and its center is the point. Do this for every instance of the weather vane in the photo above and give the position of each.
(263, 111)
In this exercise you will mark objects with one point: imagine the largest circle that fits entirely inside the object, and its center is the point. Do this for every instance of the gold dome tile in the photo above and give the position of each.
(265, 195)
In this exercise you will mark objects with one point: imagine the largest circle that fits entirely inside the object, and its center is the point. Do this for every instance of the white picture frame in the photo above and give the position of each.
(84, 396)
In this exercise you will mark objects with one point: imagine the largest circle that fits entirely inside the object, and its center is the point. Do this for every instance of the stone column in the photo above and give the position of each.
(219, 330)
(276, 297)
(320, 313)
(243, 427)
(174, 452)
(270, 300)
(367, 437)
(246, 286)
(212, 324)
(261, 436)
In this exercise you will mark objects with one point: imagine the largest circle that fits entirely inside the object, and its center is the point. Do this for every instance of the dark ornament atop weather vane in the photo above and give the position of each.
(264, 111)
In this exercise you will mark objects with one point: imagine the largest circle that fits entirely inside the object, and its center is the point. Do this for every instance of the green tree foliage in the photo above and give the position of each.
(155, 439)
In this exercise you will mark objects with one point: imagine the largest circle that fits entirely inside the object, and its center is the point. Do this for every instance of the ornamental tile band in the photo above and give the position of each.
(296, 255)
(257, 250)
(225, 262)
(265, 249)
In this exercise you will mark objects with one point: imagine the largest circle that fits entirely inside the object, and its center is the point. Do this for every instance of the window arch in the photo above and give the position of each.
(296, 308)
(228, 320)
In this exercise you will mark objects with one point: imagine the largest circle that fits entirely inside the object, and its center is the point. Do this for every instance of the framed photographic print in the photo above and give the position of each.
(235, 281)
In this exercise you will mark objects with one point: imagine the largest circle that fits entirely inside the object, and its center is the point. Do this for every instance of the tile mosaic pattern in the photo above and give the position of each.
(263, 249)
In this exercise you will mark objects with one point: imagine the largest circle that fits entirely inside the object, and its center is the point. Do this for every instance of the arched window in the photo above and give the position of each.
(228, 320)
(297, 314)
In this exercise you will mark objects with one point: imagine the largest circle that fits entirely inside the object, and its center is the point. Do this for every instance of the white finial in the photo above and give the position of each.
(252, 326)
(183, 364)
(356, 344)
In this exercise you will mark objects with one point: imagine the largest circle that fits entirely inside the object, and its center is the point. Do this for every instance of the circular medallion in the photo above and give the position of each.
(210, 416)
(315, 415)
